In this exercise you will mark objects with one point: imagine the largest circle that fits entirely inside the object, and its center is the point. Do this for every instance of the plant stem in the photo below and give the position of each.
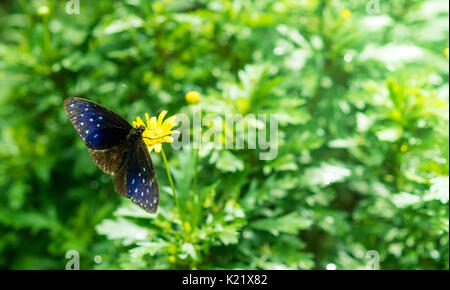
(26, 10)
(194, 185)
(194, 189)
(169, 176)
(47, 40)
(196, 198)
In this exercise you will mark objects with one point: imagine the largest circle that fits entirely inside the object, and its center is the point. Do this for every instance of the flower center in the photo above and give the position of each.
(153, 136)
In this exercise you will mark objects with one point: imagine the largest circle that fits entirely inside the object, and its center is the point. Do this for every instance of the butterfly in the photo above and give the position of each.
(118, 149)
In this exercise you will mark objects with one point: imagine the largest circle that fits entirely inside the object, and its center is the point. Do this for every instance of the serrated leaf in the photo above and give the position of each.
(188, 250)
(290, 224)
(122, 229)
(325, 175)
(228, 235)
(226, 161)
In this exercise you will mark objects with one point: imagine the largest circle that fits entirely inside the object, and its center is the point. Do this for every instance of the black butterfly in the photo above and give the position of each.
(117, 149)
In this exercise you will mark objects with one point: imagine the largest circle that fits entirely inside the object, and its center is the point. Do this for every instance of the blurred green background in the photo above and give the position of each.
(363, 161)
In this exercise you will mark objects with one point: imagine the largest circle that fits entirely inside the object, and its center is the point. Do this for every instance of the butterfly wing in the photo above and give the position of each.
(137, 179)
(108, 160)
(98, 127)
(102, 131)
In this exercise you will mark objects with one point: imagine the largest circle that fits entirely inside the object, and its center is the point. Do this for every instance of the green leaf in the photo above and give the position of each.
(228, 235)
(123, 24)
(188, 250)
(122, 229)
(439, 189)
(290, 224)
(325, 175)
(405, 199)
(151, 248)
(226, 161)
(389, 134)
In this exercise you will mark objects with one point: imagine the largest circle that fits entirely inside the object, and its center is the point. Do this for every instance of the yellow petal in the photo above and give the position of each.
(147, 118)
(139, 122)
(161, 117)
(153, 122)
(169, 123)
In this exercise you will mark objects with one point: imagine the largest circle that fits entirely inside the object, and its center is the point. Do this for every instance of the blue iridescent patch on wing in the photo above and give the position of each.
(142, 185)
(98, 127)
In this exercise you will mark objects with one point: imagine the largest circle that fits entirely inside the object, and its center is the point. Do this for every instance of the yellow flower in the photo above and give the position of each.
(404, 147)
(243, 105)
(156, 131)
(192, 97)
(446, 52)
(346, 13)
(43, 10)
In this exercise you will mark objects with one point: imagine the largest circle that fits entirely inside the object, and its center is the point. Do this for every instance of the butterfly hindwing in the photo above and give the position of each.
(108, 160)
(137, 179)
(98, 127)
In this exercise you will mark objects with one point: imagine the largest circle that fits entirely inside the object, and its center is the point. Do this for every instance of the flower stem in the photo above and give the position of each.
(194, 190)
(196, 199)
(194, 186)
(169, 176)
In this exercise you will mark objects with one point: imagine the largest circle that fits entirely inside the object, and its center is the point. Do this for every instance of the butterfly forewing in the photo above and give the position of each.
(98, 127)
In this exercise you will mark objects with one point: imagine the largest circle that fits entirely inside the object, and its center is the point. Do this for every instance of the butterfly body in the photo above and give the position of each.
(117, 149)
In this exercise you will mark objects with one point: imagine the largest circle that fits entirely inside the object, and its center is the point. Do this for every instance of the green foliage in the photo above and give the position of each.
(363, 155)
